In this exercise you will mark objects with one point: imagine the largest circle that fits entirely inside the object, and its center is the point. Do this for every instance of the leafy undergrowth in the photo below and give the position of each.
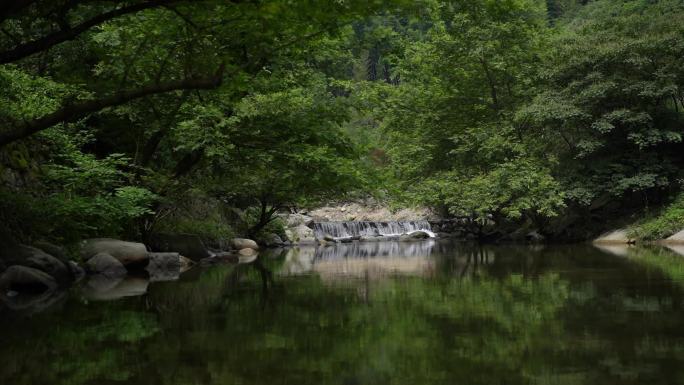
(669, 220)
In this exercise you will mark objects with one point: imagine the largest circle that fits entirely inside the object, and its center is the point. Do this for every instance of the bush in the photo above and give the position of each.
(213, 231)
(194, 212)
(64, 218)
(669, 220)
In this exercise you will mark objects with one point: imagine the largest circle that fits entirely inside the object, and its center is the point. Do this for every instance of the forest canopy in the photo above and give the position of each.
(121, 118)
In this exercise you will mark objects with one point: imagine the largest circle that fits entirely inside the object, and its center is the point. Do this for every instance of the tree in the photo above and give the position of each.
(611, 102)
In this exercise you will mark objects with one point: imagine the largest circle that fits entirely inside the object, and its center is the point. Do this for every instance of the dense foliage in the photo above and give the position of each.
(117, 118)
(506, 110)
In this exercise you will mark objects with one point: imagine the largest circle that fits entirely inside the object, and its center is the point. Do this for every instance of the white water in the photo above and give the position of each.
(342, 230)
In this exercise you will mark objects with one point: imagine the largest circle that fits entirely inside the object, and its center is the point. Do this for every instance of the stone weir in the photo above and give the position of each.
(359, 229)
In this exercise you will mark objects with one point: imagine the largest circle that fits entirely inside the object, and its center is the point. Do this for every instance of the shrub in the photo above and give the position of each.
(669, 220)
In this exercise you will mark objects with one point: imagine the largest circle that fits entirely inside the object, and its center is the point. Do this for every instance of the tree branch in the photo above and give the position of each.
(72, 112)
(23, 50)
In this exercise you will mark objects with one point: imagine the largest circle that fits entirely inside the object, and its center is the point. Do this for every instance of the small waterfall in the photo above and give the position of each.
(355, 229)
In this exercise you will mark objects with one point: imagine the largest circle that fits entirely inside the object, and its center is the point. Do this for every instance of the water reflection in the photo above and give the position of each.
(381, 259)
(102, 288)
(433, 313)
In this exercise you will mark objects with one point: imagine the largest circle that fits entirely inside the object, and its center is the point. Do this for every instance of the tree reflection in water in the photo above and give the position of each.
(431, 313)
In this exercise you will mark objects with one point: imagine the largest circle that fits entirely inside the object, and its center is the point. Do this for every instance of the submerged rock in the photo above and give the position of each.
(31, 303)
(415, 235)
(245, 259)
(125, 252)
(167, 266)
(247, 252)
(26, 279)
(101, 288)
(243, 243)
(106, 265)
(367, 238)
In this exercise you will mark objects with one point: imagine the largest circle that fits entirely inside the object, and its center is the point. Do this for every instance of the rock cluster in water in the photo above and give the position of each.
(32, 279)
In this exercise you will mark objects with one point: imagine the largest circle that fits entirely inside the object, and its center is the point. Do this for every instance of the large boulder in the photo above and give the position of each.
(26, 279)
(615, 236)
(272, 240)
(294, 220)
(106, 265)
(677, 238)
(52, 249)
(188, 245)
(243, 243)
(128, 253)
(301, 234)
(38, 259)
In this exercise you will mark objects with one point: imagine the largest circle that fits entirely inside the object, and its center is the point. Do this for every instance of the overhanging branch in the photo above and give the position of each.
(26, 49)
(72, 112)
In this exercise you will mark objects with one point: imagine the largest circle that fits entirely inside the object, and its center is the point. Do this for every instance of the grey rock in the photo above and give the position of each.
(106, 265)
(243, 243)
(52, 249)
(164, 266)
(677, 238)
(615, 236)
(416, 235)
(301, 234)
(534, 237)
(38, 259)
(26, 279)
(294, 220)
(125, 252)
(273, 240)
(188, 245)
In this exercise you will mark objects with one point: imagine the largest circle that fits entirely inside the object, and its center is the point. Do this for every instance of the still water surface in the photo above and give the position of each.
(377, 313)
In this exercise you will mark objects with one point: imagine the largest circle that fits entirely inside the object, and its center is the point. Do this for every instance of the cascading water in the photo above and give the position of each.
(354, 229)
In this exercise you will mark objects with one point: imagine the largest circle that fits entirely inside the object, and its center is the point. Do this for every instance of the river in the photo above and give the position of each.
(429, 312)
